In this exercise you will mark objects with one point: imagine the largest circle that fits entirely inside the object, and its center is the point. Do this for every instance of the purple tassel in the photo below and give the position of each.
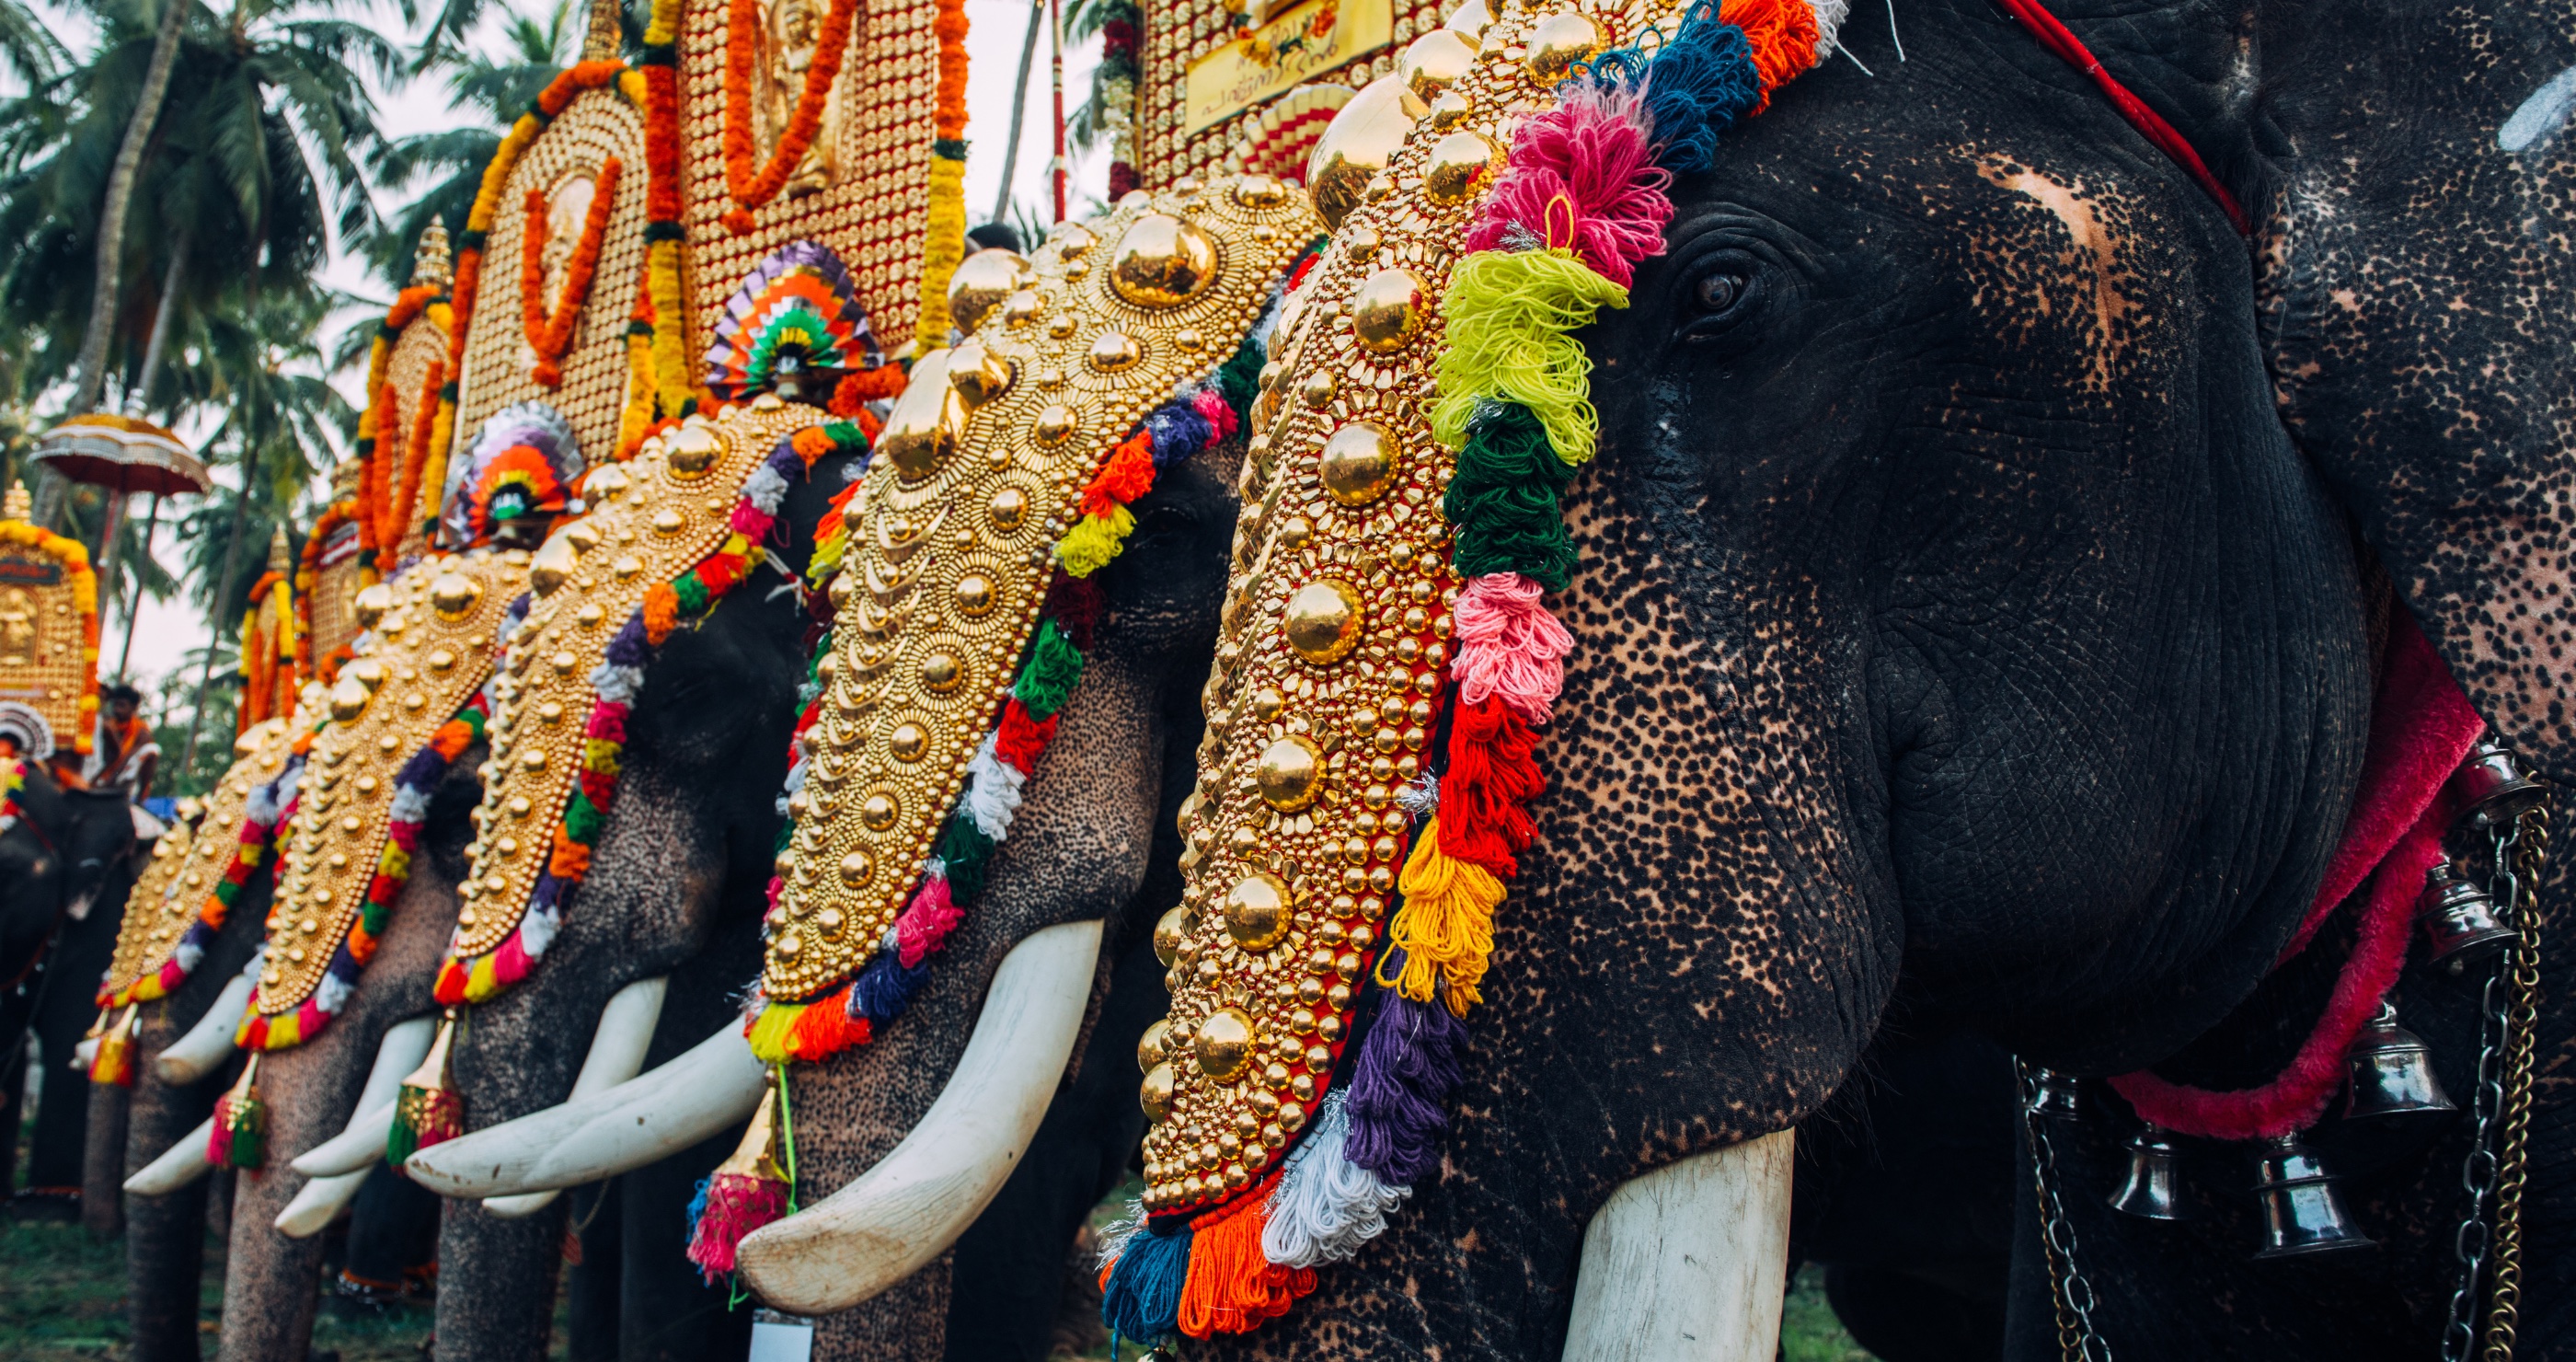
(885, 988)
(1179, 432)
(1399, 1091)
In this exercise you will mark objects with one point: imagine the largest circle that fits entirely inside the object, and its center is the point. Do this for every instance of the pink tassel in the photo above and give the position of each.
(751, 522)
(736, 1205)
(1219, 415)
(926, 922)
(1582, 177)
(1510, 646)
(510, 962)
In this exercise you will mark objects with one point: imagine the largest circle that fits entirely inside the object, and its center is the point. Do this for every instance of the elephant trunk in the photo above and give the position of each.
(909, 1208)
(165, 1236)
(102, 1200)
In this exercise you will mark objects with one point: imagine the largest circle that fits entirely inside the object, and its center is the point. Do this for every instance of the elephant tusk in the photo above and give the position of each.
(179, 1165)
(84, 1055)
(907, 1210)
(208, 1043)
(1688, 1263)
(343, 1161)
(715, 1085)
(358, 1145)
(616, 1054)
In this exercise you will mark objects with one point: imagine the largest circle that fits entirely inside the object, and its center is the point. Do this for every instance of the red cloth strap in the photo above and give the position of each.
(2150, 124)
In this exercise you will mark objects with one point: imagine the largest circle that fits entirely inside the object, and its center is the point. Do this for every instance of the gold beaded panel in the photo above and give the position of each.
(40, 641)
(873, 201)
(191, 858)
(652, 518)
(1336, 629)
(981, 470)
(563, 164)
(1180, 34)
(421, 343)
(430, 651)
(337, 579)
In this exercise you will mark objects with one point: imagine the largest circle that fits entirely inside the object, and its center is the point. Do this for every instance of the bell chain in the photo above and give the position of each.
(2068, 1287)
(2500, 1104)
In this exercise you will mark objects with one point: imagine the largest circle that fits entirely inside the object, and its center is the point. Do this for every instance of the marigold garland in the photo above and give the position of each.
(84, 584)
(261, 657)
(943, 234)
(751, 189)
(549, 334)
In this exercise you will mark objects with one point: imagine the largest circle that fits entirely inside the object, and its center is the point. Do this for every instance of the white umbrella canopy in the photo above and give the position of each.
(122, 454)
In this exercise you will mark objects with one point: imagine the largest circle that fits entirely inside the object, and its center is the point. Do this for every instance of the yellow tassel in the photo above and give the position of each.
(769, 1033)
(1446, 926)
(943, 245)
(1093, 541)
(1509, 313)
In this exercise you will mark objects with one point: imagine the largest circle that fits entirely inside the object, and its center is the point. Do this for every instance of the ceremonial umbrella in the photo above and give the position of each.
(122, 455)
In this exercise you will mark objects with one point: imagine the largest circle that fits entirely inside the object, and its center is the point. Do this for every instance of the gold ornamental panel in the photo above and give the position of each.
(1206, 83)
(337, 579)
(563, 164)
(862, 189)
(176, 882)
(1336, 628)
(422, 343)
(430, 650)
(981, 471)
(651, 519)
(40, 641)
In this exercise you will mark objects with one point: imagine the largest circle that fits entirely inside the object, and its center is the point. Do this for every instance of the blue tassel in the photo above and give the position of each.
(698, 1206)
(1178, 431)
(1697, 86)
(1143, 1298)
(885, 988)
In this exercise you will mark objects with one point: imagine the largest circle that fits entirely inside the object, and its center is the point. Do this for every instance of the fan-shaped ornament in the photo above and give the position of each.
(524, 462)
(795, 319)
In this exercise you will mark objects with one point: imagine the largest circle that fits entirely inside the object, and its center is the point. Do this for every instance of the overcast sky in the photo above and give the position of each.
(167, 630)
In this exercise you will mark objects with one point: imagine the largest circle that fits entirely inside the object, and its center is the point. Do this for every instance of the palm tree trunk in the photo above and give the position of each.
(162, 315)
(1019, 111)
(120, 197)
(223, 593)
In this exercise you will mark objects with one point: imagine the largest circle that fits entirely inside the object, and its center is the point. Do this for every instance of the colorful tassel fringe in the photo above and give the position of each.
(429, 1110)
(238, 1138)
(755, 1187)
(113, 1065)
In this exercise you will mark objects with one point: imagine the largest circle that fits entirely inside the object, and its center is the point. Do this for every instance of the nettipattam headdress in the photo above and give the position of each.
(524, 462)
(796, 316)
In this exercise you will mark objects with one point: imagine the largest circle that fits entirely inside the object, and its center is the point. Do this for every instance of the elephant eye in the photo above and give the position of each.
(1717, 292)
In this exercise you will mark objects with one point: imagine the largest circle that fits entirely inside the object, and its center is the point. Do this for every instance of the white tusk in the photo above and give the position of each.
(898, 1216)
(1688, 1263)
(179, 1165)
(359, 1144)
(345, 1159)
(713, 1086)
(84, 1055)
(617, 1049)
(208, 1043)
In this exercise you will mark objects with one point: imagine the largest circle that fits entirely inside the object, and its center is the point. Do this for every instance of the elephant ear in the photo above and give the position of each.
(2418, 271)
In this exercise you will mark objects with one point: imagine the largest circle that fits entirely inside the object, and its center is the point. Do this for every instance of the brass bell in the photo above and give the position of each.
(2153, 1189)
(2392, 1072)
(2052, 1096)
(2303, 1211)
(2491, 788)
(2459, 919)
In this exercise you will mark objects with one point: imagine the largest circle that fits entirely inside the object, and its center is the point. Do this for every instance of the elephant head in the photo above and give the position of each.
(58, 846)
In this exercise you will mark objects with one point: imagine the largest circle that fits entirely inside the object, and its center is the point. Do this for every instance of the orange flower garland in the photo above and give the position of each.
(433, 396)
(407, 307)
(750, 189)
(550, 334)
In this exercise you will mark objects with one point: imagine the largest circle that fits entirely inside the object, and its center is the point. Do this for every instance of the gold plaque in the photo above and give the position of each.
(1301, 44)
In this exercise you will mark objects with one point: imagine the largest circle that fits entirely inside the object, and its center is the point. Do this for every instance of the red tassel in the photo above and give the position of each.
(1492, 776)
(747, 1192)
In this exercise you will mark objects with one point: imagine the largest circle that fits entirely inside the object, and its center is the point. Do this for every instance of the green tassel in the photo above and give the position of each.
(429, 1110)
(1503, 500)
(1047, 679)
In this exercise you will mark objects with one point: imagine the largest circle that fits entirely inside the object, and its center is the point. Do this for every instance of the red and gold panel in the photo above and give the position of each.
(1213, 69)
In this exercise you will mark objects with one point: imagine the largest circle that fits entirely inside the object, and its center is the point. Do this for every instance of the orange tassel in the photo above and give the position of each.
(1232, 1288)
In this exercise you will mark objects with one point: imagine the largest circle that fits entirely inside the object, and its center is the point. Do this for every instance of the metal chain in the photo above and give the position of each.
(2068, 1289)
(2530, 853)
(2493, 1172)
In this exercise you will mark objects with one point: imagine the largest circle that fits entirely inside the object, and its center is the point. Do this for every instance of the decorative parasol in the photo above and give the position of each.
(122, 455)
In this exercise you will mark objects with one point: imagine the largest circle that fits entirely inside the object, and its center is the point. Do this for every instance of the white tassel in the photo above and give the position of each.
(993, 794)
(1326, 1206)
(1114, 1235)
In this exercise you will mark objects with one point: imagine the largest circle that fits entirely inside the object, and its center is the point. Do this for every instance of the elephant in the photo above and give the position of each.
(66, 850)
(1979, 593)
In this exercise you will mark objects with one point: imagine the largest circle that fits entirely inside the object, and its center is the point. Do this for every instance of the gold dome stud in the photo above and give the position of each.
(1055, 425)
(1387, 310)
(1322, 621)
(922, 430)
(1460, 166)
(349, 699)
(1010, 509)
(553, 564)
(1223, 1043)
(1022, 308)
(982, 281)
(1358, 463)
(1316, 389)
(879, 810)
(1162, 261)
(909, 742)
(856, 868)
(369, 672)
(1257, 912)
(941, 672)
(1357, 144)
(977, 374)
(692, 452)
(1560, 41)
(976, 595)
(1169, 932)
(371, 604)
(1450, 110)
(453, 595)
(1114, 352)
(669, 520)
(1291, 773)
(1260, 193)
(1155, 1094)
(604, 484)
(1434, 62)
(1071, 240)
(1149, 1047)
